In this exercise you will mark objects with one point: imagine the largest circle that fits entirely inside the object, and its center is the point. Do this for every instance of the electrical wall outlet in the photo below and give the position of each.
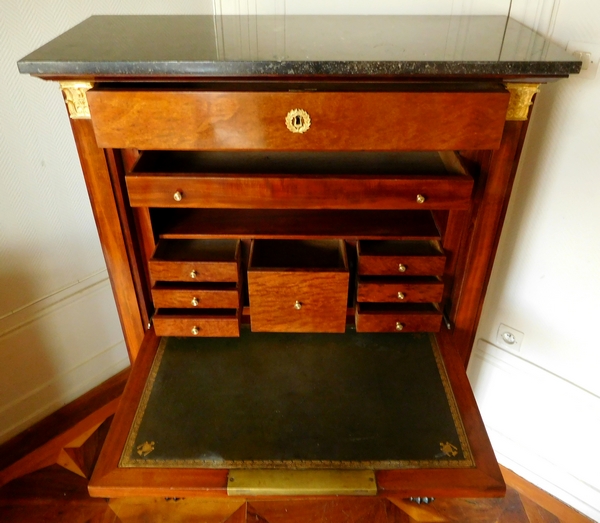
(509, 338)
(589, 54)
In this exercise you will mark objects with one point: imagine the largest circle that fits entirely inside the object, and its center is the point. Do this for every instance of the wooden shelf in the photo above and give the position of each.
(276, 223)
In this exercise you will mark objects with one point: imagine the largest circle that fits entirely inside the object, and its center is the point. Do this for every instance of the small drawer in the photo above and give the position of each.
(275, 180)
(388, 317)
(236, 120)
(207, 323)
(196, 296)
(196, 261)
(399, 290)
(298, 286)
(400, 258)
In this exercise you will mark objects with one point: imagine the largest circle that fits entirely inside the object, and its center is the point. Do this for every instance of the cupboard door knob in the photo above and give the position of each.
(193, 275)
(195, 302)
(399, 326)
(420, 198)
(195, 330)
(401, 268)
(400, 295)
(178, 196)
(297, 305)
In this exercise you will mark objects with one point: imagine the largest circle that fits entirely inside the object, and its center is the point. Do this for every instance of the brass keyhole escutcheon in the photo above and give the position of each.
(297, 121)
(195, 302)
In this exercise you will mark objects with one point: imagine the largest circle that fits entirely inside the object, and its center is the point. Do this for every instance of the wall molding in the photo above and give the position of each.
(45, 305)
(44, 400)
(542, 426)
(57, 348)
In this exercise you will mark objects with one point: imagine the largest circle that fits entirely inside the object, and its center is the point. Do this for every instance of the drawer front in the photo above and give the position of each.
(298, 301)
(193, 271)
(173, 298)
(173, 324)
(399, 292)
(401, 265)
(276, 192)
(386, 321)
(257, 120)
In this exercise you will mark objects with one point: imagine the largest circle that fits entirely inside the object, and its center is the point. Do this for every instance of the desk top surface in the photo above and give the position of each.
(299, 46)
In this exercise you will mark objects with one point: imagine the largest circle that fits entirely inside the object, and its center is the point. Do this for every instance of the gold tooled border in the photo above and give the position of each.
(128, 461)
(139, 413)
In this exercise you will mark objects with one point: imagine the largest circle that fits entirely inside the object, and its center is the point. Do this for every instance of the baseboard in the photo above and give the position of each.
(55, 350)
(542, 427)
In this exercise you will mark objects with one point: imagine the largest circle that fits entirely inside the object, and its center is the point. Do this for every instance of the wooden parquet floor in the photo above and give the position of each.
(55, 494)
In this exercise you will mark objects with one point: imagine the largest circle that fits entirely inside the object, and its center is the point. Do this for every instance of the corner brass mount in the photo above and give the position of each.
(521, 96)
(76, 99)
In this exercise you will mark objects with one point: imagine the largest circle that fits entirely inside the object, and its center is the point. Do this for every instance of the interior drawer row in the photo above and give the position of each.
(198, 286)
(300, 180)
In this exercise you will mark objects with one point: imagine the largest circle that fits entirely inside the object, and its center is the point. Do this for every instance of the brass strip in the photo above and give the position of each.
(76, 99)
(301, 483)
(521, 96)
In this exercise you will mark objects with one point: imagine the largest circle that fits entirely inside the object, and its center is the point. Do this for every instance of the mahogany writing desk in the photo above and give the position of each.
(299, 223)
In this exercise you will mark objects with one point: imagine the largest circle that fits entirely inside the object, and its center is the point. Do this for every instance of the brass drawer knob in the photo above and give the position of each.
(195, 302)
(297, 121)
(193, 275)
(399, 326)
(297, 305)
(195, 330)
(178, 196)
(401, 267)
(400, 295)
(420, 198)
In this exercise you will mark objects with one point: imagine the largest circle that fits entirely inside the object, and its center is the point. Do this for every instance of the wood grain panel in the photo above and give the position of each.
(301, 192)
(162, 270)
(385, 319)
(387, 289)
(195, 296)
(390, 265)
(256, 120)
(122, 271)
(176, 323)
(323, 297)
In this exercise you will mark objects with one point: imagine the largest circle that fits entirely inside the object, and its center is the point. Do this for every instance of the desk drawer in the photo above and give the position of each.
(196, 296)
(399, 290)
(388, 317)
(207, 323)
(400, 258)
(213, 120)
(196, 261)
(298, 286)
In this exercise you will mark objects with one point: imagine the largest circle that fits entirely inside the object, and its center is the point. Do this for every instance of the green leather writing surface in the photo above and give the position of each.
(273, 400)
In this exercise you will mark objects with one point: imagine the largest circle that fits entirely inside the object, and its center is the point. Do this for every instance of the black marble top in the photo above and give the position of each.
(299, 45)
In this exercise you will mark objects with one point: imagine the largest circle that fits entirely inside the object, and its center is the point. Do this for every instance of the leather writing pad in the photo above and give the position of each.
(274, 400)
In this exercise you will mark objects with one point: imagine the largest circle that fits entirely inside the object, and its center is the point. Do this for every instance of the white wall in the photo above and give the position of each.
(59, 331)
(542, 404)
(59, 334)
